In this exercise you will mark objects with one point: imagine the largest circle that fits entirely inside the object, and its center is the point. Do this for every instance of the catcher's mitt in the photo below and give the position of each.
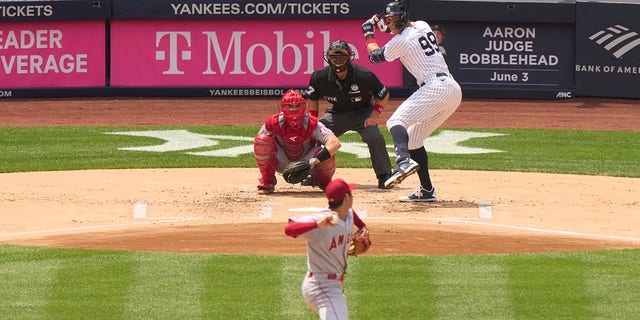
(360, 242)
(296, 171)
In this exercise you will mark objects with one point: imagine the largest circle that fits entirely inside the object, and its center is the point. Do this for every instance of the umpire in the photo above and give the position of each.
(358, 98)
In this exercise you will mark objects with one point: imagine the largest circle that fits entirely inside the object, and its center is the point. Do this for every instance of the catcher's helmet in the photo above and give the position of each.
(293, 107)
(338, 56)
(397, 8)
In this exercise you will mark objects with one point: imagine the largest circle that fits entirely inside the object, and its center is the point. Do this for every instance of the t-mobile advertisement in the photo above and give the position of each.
(242, 53)
(53, 54)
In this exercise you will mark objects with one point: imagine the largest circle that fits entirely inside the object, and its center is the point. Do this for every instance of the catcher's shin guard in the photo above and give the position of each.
(323, 172)
(264, 149)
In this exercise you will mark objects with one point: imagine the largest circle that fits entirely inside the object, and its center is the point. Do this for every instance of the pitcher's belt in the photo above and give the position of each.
(330, 276)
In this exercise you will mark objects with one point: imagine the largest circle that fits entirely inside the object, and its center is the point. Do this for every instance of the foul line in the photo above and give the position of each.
(474, 222)
(159, 220)
(570, 233)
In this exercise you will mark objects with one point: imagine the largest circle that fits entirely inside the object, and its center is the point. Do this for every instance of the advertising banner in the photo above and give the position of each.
(245, 53)
(244, 9)
(511, 60)
(607, 50)
(52, 54)
(43, 10)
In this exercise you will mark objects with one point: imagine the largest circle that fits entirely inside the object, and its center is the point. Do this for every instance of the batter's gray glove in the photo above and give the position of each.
(296, 171)
(379, 23)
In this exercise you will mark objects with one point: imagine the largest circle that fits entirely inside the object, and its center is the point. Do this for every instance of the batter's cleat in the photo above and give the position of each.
(420, 195)
(404, 169)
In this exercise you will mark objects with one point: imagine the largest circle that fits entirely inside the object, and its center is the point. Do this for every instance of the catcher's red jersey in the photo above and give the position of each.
(296, 142)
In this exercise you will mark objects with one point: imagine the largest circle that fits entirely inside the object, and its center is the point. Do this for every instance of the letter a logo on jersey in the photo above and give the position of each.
(333, 244)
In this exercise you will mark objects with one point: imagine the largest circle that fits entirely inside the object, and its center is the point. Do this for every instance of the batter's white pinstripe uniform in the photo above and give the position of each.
(439, 94)
(437, 97)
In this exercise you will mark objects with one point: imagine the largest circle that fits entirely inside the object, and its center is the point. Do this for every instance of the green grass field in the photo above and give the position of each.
(43, 283)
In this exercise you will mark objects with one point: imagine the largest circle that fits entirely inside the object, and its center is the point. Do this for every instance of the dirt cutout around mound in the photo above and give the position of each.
(190, 210)
(218, 210)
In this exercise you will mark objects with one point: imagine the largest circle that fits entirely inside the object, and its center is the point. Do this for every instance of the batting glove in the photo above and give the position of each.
(367, 29)
(375, 19)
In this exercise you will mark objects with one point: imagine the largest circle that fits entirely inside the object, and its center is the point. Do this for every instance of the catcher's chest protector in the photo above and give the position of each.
(295, 143)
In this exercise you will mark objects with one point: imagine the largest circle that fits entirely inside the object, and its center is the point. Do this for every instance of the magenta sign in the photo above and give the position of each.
(232, 53)
(52, 54)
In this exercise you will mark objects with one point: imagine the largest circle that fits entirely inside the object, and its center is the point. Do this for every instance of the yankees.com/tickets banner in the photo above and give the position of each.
(511, 60)
(210, 53)
(608, 50)
(52, 54)
(243, 9)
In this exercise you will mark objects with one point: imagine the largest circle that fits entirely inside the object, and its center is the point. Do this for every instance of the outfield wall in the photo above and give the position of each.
(540, 49)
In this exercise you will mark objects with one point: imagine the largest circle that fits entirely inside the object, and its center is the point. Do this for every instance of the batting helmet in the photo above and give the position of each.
(338, 56)
(293, 107)
(397, 8)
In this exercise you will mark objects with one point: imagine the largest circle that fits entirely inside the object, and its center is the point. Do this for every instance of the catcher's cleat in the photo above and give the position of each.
(265, 189)
(404, 169)
(420, 195)
(308, 181)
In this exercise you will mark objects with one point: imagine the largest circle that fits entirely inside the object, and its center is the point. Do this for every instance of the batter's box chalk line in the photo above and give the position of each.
(140, 211)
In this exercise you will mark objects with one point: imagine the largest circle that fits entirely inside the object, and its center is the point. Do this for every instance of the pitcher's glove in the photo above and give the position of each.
(360, 242)
(296, 171)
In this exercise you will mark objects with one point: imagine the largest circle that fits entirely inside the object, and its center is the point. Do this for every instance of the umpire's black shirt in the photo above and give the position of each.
(351, 94)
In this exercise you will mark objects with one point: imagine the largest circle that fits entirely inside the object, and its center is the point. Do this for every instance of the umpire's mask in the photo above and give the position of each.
(338, 56)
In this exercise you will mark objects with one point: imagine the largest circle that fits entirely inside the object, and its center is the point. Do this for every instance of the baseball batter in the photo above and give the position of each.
(292, 135)
(327, 250)
(437, 97)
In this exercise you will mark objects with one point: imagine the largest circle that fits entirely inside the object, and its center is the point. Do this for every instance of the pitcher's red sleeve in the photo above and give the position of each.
(357, 222)
(294, 228)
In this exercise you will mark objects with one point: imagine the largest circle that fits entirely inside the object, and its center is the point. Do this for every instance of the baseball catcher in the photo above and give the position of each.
(293, 143)
(360, 242)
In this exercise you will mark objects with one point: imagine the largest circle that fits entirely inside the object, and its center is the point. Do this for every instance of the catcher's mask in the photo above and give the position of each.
(338, 56)
(396, 15)
(293, 106)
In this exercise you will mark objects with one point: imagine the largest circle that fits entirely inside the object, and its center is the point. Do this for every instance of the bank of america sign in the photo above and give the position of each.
(618, 40)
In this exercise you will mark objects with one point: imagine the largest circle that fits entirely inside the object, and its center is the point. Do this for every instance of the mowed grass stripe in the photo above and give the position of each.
(391, 288)
(292, 271)
(89, 285)
(166, 286)
(549, 287)
(613, 282)
(242, 287)
(610, 153)
(26, 277)
(472, 287)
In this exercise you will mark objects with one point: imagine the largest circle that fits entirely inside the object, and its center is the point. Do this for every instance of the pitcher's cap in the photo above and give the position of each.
(337, 188)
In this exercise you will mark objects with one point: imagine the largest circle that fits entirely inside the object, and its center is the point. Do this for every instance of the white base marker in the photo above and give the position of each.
(140, 209)
(485, 211)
